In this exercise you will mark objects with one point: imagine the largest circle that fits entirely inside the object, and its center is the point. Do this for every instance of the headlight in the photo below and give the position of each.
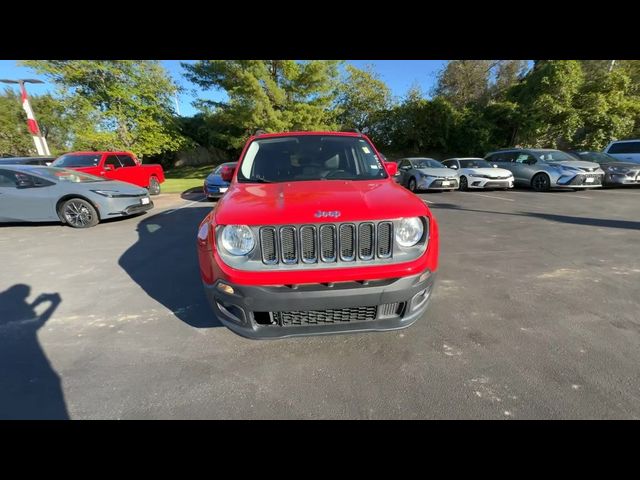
(409, 231)
(619, 170)
(478, 175)
(109, 193)
(237, 239)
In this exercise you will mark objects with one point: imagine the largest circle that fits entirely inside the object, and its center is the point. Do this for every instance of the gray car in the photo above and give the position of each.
(418, 173)
(544, 169)
(41, 194)
(616, 172)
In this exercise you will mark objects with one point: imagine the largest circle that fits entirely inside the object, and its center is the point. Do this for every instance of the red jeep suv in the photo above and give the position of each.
(313, 237)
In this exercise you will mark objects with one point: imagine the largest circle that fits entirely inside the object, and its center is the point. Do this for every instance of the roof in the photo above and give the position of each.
(290, 134)
(464, 158)
(100, 152)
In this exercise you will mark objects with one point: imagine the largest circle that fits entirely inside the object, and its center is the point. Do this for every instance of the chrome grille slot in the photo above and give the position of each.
(269, 245)
(385, 239)
(288, 245)
(308, 247)
(328, 243)
(366, 241)
(347, 242)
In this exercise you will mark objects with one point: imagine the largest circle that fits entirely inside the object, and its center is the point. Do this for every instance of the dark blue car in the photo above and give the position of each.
(214, 185)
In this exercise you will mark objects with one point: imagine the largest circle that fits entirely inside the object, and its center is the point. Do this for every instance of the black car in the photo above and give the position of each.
(44, 161)
(616, 172)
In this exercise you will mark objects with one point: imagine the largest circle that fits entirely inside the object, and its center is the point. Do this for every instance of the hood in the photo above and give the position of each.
(213, 179)
(115, 185)
(316, 201)
(630, 165)
(491, 172)
(577, 165)
(439, 172)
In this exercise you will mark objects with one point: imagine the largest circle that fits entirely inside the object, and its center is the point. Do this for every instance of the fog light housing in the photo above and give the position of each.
(424, 276)
(420, 298)
(224, 288)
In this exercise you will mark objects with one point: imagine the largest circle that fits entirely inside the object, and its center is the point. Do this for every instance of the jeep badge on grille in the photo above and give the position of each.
(326, 214)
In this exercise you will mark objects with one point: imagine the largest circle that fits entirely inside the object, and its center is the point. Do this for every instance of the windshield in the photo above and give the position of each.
(90, 160)
(597, 157)
(426, 163)
(553, 156)
(64, 175)
(310, 157)
(218, 169)
(475, 163)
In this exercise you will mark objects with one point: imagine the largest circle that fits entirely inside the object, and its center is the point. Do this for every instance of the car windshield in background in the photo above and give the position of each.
(475, 163)
(426, 163)
(310, 157)
(77, 161)
(597, 157)
(553, 156)
(64, 175)
(218, 169)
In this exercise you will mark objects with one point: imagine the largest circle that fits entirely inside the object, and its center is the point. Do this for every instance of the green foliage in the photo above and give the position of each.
(273, 95)
(15, 139)
(116, 104)
(464, 82)
(361, 95)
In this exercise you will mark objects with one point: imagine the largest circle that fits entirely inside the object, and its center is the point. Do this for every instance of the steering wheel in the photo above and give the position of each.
(333, 173)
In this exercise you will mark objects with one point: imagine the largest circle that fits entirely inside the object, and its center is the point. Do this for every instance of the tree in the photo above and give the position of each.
(361, 95)
(123, 104)
(507, 74)
(273, 95)
(545, 98)
(463, 82)
(15, 139)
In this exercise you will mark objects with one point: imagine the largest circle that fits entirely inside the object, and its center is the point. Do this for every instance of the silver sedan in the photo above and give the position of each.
(43, 194)
(417, 173)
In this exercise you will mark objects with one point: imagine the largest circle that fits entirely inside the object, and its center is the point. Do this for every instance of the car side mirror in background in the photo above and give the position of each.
(227, 173)
(109, 168)
(455, 167)
(391, 168)
(495, 166)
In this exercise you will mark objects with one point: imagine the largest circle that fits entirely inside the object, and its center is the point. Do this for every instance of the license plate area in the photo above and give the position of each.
(446, 183)
(589, 180)
(144, 201)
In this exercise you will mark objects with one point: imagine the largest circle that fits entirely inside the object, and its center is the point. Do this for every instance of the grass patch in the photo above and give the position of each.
(181, 179)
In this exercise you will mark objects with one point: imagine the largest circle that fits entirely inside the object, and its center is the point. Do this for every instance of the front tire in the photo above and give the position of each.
(540, 182)
(413, 186)
(464, 184)
(78, 213)
(154, 186)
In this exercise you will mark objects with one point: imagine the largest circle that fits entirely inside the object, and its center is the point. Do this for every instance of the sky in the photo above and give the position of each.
(399, 75)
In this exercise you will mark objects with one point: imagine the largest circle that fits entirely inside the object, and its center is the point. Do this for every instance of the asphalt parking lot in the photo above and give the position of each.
(535, 315)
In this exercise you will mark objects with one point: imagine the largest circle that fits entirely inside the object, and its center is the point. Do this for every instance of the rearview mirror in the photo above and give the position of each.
(391, 168)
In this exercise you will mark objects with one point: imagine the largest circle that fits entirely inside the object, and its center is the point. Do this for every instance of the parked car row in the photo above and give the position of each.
(78, 189)
(539, 169)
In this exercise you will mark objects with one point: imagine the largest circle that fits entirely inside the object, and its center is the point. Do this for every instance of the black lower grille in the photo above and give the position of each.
(315, 317)
(438, 184)
(582, 179)
(496, 185)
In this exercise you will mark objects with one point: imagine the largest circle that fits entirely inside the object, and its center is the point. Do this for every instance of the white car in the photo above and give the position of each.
(624, 150)
(478, 173)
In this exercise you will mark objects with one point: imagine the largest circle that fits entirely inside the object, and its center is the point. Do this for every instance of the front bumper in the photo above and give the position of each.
(621, 179)
(123, 207)
(581, 180)
(434, 183)
(257, 311)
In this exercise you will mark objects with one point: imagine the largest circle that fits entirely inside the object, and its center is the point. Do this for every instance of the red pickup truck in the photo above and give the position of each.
(314, 236)
(123, 166)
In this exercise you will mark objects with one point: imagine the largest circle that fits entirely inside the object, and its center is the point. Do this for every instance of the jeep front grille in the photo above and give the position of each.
(326, 243)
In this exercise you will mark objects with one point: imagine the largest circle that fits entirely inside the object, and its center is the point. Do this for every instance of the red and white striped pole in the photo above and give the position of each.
(38, 139)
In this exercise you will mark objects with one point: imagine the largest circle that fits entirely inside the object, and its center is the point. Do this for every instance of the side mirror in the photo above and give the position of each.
(455, 167)
(109, 168)
(391, 168)
(495, 166)
(227, 174)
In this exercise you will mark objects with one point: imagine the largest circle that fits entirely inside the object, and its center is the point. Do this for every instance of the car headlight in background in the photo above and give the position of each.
(619, 170)
(114, 193)
(477, 175)
(237, 239)
(409, 231)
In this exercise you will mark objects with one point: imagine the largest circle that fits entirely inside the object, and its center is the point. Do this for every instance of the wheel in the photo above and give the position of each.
(413, 185)
(540, 182)
(78, 213)
(154, 186)
(464, 185)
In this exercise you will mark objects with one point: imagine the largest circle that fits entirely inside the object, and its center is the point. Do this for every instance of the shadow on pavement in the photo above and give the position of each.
(164, 262)
(29, 387)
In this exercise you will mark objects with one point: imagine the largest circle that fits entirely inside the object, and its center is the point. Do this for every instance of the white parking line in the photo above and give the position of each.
(427, 201)
(172, 210)
(490, 196)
